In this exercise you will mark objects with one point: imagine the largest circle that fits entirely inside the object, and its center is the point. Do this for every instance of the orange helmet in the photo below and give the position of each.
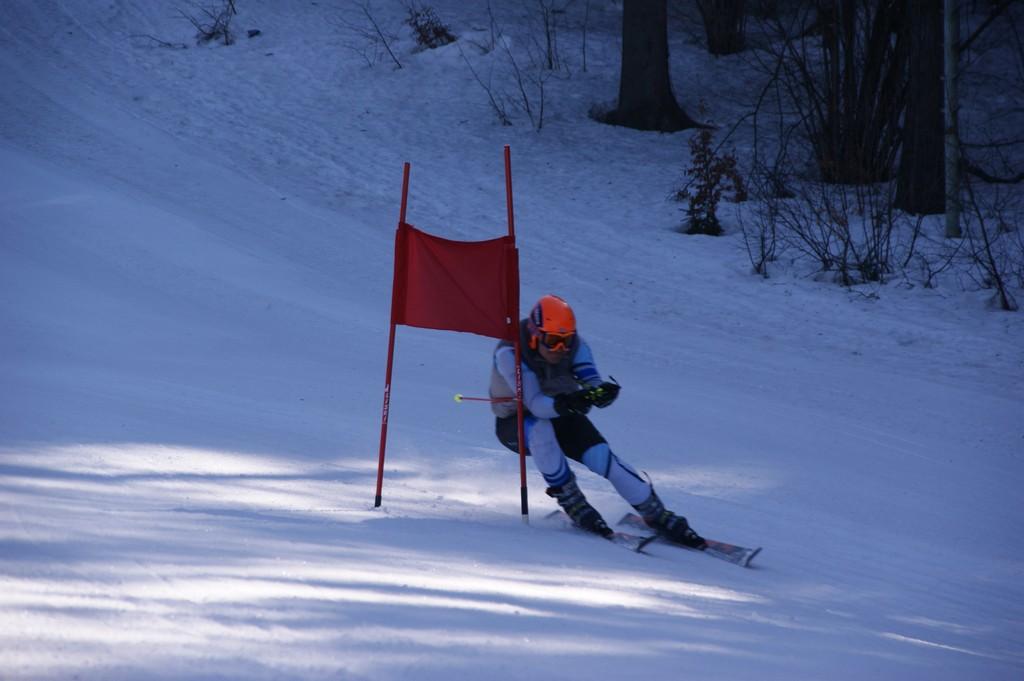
(552, 323)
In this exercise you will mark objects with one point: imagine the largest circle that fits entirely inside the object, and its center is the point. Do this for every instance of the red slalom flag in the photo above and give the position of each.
(470, 286)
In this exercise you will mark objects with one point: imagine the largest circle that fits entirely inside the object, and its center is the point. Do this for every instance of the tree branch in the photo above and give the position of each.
(380, 34)
(981, 173)
(993, 14)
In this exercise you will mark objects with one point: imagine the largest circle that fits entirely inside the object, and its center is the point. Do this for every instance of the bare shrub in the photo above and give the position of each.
(524, 78)
(926, 265)
(551, 15)
(427, 28)
(842, 65)
(213, 24)
(995, 246)
(849, 231)
(761, 234)
(372, 43)
(495, 98)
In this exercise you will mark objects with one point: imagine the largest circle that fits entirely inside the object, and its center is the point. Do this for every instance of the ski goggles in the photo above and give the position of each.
(557, 341)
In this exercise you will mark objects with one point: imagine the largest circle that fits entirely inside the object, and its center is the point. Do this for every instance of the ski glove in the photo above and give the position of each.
(573, 403)
(604, 394)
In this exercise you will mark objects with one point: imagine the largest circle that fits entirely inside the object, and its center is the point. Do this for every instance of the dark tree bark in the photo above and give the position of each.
(646, 101)
(724, 22)
(920, 186)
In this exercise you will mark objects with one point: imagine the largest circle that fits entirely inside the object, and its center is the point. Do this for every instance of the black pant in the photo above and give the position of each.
(574, 432)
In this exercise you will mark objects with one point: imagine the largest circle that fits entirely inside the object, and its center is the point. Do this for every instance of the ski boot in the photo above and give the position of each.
(669, 525)
(576, 506)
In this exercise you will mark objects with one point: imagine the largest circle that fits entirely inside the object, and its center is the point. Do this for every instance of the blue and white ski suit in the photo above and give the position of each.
(551, 438)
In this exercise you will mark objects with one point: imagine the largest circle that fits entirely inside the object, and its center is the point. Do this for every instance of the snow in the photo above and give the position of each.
(195, 272)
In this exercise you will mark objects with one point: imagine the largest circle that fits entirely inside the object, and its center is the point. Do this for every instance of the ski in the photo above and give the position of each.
(737, 555)
(633, 542)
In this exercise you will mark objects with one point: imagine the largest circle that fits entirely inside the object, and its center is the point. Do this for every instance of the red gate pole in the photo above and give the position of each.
(524, 501)
(399, 249)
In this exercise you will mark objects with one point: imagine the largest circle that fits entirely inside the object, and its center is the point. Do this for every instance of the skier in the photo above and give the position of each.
(560, 385)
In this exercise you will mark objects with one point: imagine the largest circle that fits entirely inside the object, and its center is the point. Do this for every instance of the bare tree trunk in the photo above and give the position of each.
(646, 101)
(951, 26)
(920, 187)
(724, 22)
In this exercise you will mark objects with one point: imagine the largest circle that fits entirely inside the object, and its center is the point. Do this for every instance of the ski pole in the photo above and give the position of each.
(459, 397)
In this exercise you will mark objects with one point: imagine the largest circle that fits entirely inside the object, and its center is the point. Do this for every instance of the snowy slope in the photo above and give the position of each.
(195, 270)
